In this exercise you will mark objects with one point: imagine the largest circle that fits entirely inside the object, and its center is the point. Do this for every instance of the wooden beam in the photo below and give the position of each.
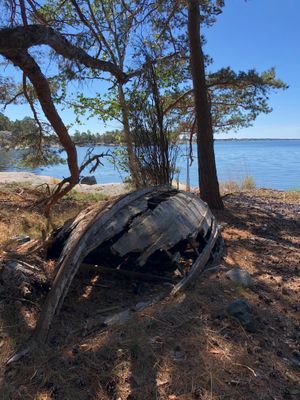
(128, 274)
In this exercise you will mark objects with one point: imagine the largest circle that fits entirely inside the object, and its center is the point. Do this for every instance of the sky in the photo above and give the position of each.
(262, 34)
(248, 34)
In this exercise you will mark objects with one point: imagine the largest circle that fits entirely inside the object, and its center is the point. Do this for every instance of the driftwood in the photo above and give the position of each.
(139, 225)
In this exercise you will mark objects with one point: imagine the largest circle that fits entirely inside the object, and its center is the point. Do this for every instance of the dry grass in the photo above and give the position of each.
(246, 183)
(21, 215)
(184, 348)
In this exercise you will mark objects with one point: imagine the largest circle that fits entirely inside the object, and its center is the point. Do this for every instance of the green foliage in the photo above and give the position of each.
(238, 98)
(36, 158)
(8, 90)
(133, 35)
(36, 146)
(5, 123)
(107, 138)
(152, 130)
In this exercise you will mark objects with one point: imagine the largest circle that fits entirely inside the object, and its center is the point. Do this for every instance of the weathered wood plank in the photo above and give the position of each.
(90, 231)
(178, 218)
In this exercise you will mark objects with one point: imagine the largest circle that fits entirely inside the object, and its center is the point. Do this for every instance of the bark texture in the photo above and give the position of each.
(208, 180)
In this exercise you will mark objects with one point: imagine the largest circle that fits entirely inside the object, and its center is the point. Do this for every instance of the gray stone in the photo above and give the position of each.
(20, 239)
(241, 311)
(240, 277)
(89, 180)
(178, 355)
(295, 361)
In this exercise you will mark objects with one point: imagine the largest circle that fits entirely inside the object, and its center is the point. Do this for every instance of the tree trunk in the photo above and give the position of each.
(208, 180)
(128, 139)
(28, 65)
(165, 174)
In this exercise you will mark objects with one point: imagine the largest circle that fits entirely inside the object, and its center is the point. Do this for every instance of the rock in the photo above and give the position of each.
(240, 277)
(241, 311)
(89, 180)
(20, 239)
(295, 361)
(294, 391)
(178, 355)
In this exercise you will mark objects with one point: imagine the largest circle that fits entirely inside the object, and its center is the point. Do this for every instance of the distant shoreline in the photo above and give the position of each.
(255, 139)
(180, 142)
(194, 142)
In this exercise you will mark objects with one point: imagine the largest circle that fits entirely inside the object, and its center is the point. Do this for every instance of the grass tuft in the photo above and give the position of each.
(20, 216)
(86, 197)
(247, 183)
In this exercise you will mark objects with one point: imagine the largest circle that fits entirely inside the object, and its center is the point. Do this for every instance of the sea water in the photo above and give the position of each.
(272, 163)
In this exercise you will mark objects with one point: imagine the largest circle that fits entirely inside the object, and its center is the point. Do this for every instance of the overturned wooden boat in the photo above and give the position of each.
(155, 233)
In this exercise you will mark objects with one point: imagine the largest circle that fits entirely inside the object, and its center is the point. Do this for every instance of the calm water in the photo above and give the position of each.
(272, 163)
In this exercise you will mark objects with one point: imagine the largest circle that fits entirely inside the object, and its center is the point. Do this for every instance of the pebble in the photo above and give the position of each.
(240, 277)
(241, 311)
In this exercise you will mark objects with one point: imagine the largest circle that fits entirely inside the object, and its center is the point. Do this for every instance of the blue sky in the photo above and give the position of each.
(261, 34)
(249, 34)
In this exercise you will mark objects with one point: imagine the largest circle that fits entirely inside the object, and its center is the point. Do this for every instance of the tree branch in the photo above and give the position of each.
(24, 37)
(178, 100)
(12, 100)
(30, 68)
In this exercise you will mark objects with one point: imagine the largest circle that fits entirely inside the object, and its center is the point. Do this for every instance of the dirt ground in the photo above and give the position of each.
(182, 348)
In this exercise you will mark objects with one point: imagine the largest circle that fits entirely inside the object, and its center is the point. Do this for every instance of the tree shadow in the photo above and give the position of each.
(186, 347)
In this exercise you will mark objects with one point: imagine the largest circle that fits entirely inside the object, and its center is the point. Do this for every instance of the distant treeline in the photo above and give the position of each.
(110, 137)
(25, 126)
(25, 133)
(12, 131)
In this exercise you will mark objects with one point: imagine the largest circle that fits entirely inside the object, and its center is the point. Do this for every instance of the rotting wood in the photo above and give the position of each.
(14, 272)
(98, 226)
(170, 222)
(201, 261)
(139, 223)
(128, 274)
